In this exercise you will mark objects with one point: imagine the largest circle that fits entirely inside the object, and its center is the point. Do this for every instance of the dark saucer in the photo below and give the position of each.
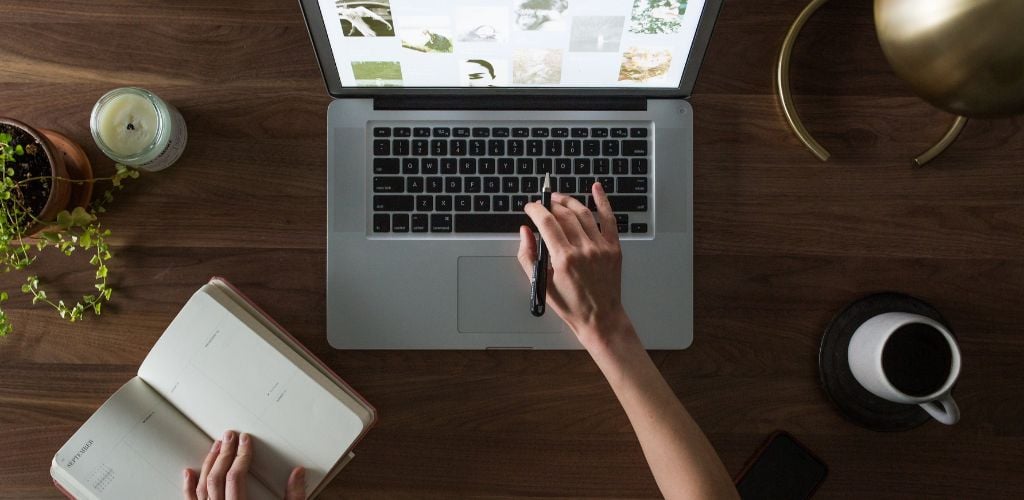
(854, 402)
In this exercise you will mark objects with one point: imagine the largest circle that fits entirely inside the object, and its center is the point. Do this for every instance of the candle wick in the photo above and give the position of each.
(131, 126)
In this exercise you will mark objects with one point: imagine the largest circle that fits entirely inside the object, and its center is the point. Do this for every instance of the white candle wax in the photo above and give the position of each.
(128, 124)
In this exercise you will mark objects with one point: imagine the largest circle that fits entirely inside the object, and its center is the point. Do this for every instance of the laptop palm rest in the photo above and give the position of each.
(494, 297)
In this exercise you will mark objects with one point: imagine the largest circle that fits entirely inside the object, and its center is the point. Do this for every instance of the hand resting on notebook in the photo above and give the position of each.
(584, 288)
(224, 470)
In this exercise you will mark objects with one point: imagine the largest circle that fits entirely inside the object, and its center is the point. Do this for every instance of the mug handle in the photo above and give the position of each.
(943, 409)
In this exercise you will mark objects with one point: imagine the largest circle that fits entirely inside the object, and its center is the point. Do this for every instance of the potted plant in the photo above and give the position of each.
(46, 202)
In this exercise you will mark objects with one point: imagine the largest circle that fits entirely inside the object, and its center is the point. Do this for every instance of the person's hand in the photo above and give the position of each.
(585, 278)
(226, 468)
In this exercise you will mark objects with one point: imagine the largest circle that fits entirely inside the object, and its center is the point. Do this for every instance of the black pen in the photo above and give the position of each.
(539, 283)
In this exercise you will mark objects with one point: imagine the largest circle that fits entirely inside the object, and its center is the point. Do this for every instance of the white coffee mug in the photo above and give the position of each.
(865, 357)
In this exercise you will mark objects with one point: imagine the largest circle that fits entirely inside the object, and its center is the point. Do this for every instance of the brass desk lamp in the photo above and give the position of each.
(964, 56)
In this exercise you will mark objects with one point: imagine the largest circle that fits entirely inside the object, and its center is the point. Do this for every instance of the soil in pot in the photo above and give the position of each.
(34, 164)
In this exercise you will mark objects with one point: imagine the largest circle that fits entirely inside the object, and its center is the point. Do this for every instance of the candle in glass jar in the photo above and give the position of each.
(135, 127)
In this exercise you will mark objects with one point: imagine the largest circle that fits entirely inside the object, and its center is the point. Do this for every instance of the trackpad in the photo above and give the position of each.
(494, 297)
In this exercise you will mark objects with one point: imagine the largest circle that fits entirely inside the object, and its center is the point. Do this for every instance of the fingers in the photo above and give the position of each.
(201, 493)
(609, 228)
(189, 487)
(582, 213)
(296, 489)
(215, 480)
(570, 224)
(235, 482)
(527, 250)
(549, 227)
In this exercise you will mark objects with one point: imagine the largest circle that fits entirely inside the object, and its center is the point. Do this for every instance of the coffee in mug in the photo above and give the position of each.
(908, 358)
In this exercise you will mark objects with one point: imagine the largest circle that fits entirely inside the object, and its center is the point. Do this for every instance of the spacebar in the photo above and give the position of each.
(490, 223)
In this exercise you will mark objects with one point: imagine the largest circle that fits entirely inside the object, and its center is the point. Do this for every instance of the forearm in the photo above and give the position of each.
(683, 462)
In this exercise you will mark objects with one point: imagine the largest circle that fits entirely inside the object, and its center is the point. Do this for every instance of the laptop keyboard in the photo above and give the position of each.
(478, 178)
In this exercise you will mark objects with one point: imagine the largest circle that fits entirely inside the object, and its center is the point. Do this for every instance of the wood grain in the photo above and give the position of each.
(782, 243)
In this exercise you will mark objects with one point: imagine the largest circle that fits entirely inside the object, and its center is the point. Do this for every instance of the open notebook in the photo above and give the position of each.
(221, 364)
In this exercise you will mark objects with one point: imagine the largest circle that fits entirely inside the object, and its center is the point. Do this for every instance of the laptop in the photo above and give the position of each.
(446, 118)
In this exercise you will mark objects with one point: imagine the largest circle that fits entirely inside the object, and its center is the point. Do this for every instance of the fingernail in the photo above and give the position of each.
(216, 446)
(228, 436)
(599, 187)
(244, 438)
(185, 473)
(302, 474)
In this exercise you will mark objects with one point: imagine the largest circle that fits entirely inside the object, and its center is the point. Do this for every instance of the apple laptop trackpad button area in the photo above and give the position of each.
(494, 297)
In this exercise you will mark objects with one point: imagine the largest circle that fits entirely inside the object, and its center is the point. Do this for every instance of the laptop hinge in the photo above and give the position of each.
(511, 103)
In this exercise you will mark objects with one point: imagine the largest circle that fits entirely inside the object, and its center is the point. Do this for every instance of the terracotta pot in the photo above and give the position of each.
(67, 161)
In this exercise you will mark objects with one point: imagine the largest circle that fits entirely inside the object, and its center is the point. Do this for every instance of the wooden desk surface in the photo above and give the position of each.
(782, 242)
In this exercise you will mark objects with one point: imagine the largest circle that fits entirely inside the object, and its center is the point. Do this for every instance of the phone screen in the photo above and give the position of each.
(783, 470)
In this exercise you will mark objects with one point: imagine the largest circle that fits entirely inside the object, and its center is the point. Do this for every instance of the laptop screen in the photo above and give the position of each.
(511, 43)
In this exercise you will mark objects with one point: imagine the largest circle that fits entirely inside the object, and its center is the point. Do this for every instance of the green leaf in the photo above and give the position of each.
(3, 296)
(101, 272)
(18, 150)
(50, 235)
(80, 217)
(64, 219)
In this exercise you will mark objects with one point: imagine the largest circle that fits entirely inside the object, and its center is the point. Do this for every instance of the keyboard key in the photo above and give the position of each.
(563, 166)
(510, 185)
(587, 184)
(443, 203)
(608, 183)
(620, 132)
(463, 203)
(632, 185)
(471, 184)
(481, 132)
(591, 148)
(567, 185)
(420, 223)
(620, 166)
(477, 147)
(530, 185)
(381, 132)
(499, 132)
(458, 147)
(467, 166)
(400, 223)
(392, 203)
(500, 203)
(388, 185)
(424, 203)
(543, 165)
(601, 166)
(400, 147)
(519, 203)
(553, 147)
(487, 166)
(524, 166)
(441, 223)
(414, 184)
(492, 184)
(634, 148)
(580, 132)
(581, 166)
(638, 166)
(490, 223)
(638, 227)
(622, 218)
(516, 147)
(598, 132)
(449, 166)
(381, 147)
(534, 147)
(638, 132)
(439, 132)
(610, 147)
(435, 184)
(410, 166)
(628, 203)
(623, 228)
(560, 132)
(439, 147)
(460, 132)
(429, 166)
(482, 203)
(539, 132)
(421, 132)
(573, 148)
(453, 184)
(496, 147)
(381, 223)
(506, 166)
(520, 132)
(403, 132)
(385, 166)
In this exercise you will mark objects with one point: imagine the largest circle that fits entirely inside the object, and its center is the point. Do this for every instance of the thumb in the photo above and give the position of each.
(296, 489)
(527, 250)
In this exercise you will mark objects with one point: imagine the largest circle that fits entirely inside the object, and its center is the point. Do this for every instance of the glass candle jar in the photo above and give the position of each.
(135, 127)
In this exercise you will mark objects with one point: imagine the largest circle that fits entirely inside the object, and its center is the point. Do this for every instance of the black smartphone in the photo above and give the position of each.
(783, 469)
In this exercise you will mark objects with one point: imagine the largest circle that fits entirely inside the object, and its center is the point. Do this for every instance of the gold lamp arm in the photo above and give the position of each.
(789, 109)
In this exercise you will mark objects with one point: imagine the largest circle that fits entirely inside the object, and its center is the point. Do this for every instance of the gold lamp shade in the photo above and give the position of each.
(964, 56)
